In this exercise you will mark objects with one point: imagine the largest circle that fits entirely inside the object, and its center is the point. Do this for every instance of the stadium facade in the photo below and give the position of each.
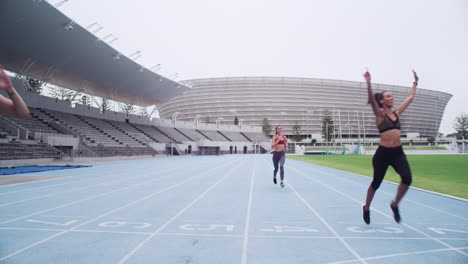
(303, 101)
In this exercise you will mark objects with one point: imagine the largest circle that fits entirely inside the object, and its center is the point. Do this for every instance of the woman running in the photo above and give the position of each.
(389, 152)
(14, 106)
(280, 143)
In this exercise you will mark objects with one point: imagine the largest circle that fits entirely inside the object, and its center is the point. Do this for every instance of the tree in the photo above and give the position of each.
(64, 94)
(296, 132)
(313, 141)
(236, 121)
(144, 112)
(460, 124)
(430, 140)
(105, 104)
(327, 125)
(128, 109)
(33, 85)
(266, 127)
(85, 100)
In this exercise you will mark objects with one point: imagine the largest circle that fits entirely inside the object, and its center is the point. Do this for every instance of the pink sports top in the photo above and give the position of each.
(281, 141)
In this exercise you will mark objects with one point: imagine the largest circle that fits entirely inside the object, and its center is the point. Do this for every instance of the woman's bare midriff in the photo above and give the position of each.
(390, 138)
(279, 147)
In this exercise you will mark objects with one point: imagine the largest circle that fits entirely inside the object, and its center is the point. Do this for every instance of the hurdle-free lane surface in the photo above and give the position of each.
(222, 209)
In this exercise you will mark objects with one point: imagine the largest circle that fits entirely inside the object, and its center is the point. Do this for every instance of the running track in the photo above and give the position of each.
(222, 209)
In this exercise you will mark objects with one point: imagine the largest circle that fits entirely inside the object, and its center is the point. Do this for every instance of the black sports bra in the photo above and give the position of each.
(389, 124)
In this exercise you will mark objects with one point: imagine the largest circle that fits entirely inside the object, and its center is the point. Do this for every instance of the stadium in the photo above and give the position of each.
(288, 101)
(81, 183)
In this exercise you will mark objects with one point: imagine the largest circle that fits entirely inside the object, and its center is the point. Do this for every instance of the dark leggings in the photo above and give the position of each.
(394, 157)
(279, 157)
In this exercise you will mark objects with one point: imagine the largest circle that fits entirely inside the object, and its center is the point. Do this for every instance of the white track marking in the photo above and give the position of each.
(327, 225)
(141, 244)
(82, 200)
(400, 254)
(247, 217)
(103, 215)
(380, 212)
(58, 178)
(350, 249)
(393, 183)
(41, 187)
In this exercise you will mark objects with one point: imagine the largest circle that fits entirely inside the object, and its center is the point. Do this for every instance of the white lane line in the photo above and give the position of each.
(247, 218)
(101, 216)
(400, 254)
(142, 243)
(350, 249)
(42, 187)
(380, 212)
(88, 198)
(390, 194)
(52, 194)
(60, 177)
(102, 183)
(198, 235)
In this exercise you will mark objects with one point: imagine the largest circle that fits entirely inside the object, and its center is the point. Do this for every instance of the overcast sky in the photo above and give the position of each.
(295, 38)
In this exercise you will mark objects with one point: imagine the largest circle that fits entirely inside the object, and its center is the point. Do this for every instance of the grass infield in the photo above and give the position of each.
(447, 174)
(413, 148)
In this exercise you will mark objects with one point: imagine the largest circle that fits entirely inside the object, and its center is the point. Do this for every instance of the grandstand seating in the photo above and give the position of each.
(258, 137)
(18, 150)
(194, 135)
(173, 133)
(213, 135)
(235, 136)
(102, 136)
(34, 123)
(153, 133)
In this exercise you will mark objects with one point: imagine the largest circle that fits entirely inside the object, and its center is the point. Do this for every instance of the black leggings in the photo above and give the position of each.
(279, 157)
(394, 157)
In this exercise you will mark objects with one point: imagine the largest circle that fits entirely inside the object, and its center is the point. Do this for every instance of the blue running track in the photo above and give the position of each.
(222, 209)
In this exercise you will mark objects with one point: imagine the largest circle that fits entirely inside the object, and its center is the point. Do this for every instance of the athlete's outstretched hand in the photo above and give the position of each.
(367, 77)
(5, 82)
(416, 78)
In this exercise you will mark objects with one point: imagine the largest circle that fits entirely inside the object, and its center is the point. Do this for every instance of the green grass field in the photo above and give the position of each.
(413, 148)
(325, 148)
(446, 174)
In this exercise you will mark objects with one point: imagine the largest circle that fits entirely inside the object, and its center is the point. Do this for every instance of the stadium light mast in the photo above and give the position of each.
(174, 117)
(135, 55)
(97, 27)
(195, 120)
(218, 120)
(155, 68)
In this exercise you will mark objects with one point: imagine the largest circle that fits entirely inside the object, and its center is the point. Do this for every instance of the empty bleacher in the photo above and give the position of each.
(34, 123)
(152, 132)
(257, 137)
(173, 133)
(18, 150)
(194, 135)
(213, 135)
(235, 136)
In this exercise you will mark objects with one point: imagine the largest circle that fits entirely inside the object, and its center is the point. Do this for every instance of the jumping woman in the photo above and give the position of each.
(280, 143)
(389, 152)
(14, 106)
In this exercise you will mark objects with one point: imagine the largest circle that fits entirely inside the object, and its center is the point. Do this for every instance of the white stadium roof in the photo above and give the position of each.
(40, 42)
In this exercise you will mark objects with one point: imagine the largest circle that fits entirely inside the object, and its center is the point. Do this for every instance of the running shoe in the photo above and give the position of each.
(396, 212)
(365, 215)
(274, 180)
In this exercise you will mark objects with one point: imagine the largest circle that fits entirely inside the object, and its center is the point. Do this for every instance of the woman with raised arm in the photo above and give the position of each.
(280, 143)
(389, 152)
(14, 106)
